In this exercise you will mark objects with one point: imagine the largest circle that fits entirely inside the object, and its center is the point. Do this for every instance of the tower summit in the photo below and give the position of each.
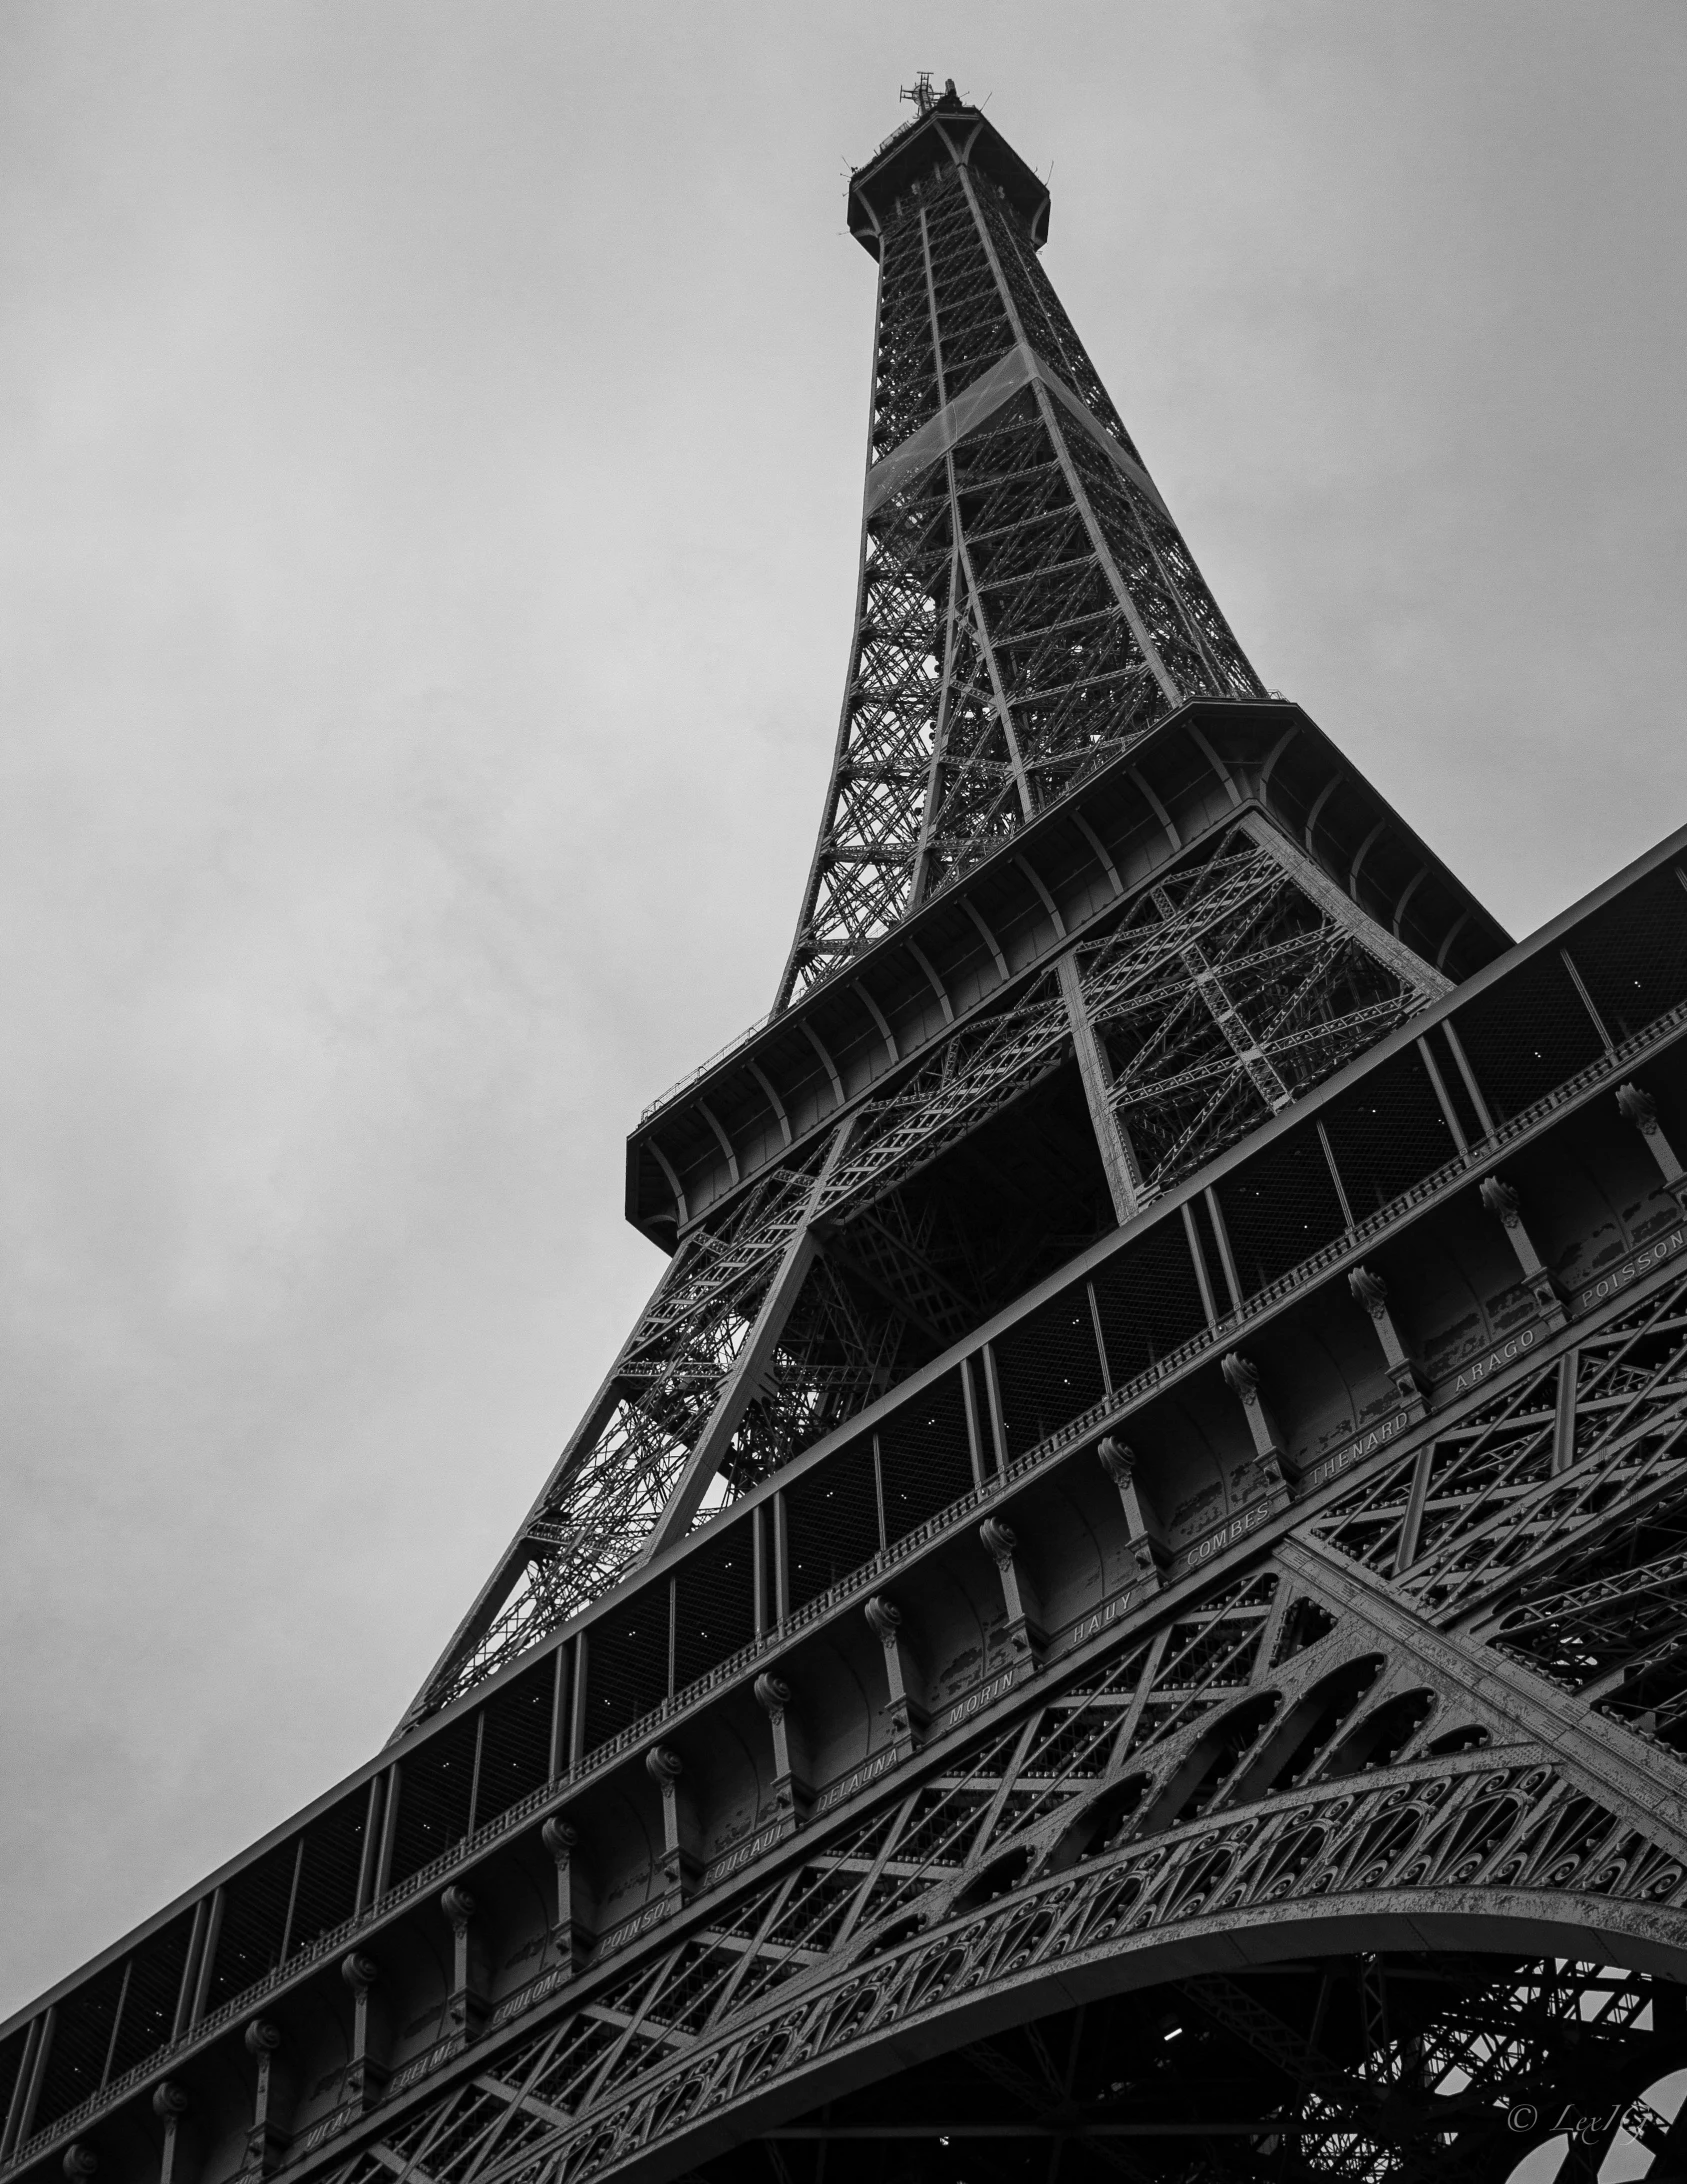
(1027, 608)
(1121, 1607)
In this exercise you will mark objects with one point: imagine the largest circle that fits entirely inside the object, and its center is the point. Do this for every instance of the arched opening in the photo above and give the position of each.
(1470, 1736)
(1102, 1823)
(1383, 1735)
(1307, 1728)
(1212, 1760)
(995, 1878)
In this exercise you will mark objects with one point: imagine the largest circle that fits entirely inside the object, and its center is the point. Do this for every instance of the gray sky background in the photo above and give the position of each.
(430, 452)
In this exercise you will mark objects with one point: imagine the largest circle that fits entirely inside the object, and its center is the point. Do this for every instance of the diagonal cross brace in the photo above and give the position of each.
(1599, 1754)
(1342, 910)
(741, 1383)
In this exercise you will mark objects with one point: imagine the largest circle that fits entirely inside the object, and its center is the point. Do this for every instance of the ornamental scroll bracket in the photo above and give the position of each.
(1026, 1638)
(1148, 1550)
(1502, 1201)
(1370, 1293)
(1640, 1109)
(573, 1930)
(792, 1788)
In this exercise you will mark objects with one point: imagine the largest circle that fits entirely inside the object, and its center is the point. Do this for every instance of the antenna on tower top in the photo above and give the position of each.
(928, 100)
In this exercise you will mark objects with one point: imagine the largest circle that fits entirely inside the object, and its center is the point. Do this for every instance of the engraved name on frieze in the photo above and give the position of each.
(536, 1990)
(1355, 1451)
(742, 1854)
(974, 1702)
(857, 1779)
(420, 2066)
(640, 1923)
(1226, 1534)
(1096, 1620)
(1631, 1270)
(1502, 1354)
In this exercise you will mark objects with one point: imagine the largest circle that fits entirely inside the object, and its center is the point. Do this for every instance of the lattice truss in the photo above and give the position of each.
(1255, 1753)
(1219, 996)
(1577, 1467)
(1026, 607)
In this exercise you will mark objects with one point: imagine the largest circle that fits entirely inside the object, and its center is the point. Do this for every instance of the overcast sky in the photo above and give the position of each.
(430, 453)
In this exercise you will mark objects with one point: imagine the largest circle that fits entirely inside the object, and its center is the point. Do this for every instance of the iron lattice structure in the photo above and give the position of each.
(1120, 1613)
(1028, 614)
(1216, 997)
(1027, 608)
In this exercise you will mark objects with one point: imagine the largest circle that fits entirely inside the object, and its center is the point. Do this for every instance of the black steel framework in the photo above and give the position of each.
(1029, 623)
(1026, 606)
(1122, 1608)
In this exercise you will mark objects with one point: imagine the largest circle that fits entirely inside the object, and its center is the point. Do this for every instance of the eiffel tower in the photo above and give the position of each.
(1120, 1613)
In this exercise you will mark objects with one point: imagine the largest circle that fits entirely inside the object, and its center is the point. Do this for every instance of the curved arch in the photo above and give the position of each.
(1470, 1855)
(1208, 1764)
(1379, 1737)
(1093, 1829)
(1294, 1745)
(996, 1876)
(866, 2030)
(1468, 1736)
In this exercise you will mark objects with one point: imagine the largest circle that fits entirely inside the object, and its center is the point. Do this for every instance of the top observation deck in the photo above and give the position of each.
(945, 132)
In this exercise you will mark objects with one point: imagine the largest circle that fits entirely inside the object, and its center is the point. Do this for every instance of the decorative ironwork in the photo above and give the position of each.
(1218, 1774)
